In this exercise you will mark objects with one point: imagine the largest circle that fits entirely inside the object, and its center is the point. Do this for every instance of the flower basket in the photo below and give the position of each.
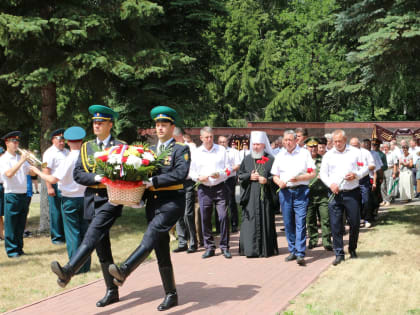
(127, 196)
(124, 168)
(124, 192)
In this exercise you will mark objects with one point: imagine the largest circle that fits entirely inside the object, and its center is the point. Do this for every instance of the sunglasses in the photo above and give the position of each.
(13, 140)
(59, 137)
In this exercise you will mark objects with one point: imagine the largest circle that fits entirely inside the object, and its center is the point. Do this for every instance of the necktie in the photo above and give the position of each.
(101, 145)
(161, 148)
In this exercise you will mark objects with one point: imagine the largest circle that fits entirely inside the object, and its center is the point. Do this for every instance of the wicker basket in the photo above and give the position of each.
(125, 196)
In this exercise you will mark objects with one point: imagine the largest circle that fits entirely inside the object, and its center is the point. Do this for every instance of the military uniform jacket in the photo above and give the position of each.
(316, 184)
(84, 174)
(170, 178)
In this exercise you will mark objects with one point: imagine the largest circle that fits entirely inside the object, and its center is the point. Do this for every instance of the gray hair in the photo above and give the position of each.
(290, 132)
(387, 144)
(177, 132)
(328, 136)
(339, 132)
(206, 129)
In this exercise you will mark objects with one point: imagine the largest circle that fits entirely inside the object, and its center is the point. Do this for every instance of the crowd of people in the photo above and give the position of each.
(314, 182)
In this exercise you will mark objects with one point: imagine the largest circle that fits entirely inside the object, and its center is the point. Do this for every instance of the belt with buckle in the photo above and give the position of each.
(173, 187)
(348, 190)
(296, 187)
(98, 186)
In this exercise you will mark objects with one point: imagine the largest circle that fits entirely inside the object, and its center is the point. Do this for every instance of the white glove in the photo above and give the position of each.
(140, 205)
(148, 182)
(98, 178)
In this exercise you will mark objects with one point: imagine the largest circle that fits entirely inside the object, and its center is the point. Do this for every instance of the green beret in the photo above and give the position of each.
(311, 141)
(165, 113)
(102, 113)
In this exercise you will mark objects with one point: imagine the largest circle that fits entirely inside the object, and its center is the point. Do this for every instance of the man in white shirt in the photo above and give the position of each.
(185, 226)
(234, 162)
(14, 169)
(365, 184)
(341, 169)
(293, 168)
(72, 193)
(209, 168)
(53, 156)
(414, 150)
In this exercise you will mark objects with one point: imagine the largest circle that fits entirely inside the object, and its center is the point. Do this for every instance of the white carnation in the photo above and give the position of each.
(148, 156)
(99, 153)
(134, 161)
(114, 159)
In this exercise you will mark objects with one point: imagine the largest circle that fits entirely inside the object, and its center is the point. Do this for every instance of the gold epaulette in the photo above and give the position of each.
(180, 143)
(85, 158)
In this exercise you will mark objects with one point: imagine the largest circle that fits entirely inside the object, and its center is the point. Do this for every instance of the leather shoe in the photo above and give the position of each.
(191, 250)
(234, 229)
(338, 260)
(180, 249)
(209, 253)
(226, 253)
(300, 261)
(353, 254)
(310, 246)
(328, 248)
(171, 300)
(290, 257)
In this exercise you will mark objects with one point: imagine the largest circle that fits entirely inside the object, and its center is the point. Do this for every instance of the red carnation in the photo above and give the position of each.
(145, 162)
(124, 159)
(371, 181)
(265, 159)
(103, 158)
(360, 163)
(310, 170)
(227, 172)
(141, 151)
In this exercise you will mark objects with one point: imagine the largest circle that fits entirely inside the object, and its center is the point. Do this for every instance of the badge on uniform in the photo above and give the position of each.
(167, 161)
(186, 157)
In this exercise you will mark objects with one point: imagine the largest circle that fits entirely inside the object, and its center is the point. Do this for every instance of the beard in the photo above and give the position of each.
(257, 155)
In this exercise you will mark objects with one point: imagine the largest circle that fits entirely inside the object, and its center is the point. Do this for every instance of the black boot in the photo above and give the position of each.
(111, 295)
(168, 281)
(122, 272)
(76, 262)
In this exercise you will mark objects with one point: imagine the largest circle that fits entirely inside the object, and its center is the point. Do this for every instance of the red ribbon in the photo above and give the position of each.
(121, 183)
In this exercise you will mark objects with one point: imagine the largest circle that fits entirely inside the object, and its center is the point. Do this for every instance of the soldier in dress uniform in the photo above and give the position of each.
(318, 202)
(165, 204)
(97, 209)
(72, 194)
(53, 156)
(14, 169)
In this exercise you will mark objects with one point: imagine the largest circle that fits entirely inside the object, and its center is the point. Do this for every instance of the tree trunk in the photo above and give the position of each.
(44, 217)
(48, 122)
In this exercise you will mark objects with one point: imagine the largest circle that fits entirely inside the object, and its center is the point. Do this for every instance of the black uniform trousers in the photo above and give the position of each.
(97, 235)
(163, 209)
(350, 202)
(185, 227)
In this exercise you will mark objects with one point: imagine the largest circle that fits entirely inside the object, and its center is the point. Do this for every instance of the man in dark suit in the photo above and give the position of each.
(97, 209)
(165, 204)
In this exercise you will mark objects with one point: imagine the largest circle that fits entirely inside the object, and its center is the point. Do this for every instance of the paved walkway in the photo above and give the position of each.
(212, 286)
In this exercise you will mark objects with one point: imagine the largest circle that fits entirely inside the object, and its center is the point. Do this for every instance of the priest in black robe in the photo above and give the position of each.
(258, 234)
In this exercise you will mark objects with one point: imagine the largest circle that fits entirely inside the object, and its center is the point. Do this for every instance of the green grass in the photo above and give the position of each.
(385, 279)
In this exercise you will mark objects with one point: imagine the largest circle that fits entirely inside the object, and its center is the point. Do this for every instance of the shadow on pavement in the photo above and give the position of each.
(190, 292)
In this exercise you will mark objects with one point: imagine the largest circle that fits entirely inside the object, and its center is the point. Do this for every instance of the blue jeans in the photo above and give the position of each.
(294, 203)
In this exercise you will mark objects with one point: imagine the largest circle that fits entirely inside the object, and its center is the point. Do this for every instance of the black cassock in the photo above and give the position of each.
(258, 233)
